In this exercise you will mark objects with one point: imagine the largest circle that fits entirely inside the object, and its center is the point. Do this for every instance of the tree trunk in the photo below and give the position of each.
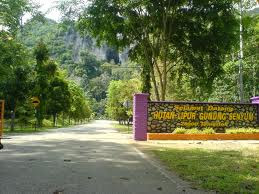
(145, 75)
(155, 84)
(63, 119)
(57, 119)
(54, 120)
(12, 120)
(164, 87)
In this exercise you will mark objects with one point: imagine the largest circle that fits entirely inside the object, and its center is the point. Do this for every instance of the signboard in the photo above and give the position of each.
(164, 117)
(35, 101)
(1, 117)
(127, 104)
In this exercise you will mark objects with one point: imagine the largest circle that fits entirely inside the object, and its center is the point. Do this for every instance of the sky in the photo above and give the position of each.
(47, 7)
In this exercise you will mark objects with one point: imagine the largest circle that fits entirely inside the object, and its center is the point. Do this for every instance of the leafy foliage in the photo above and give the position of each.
(194, 131)
(226, 86)
(11, 13)
(242, 131)
(193, 36)
(118, 93)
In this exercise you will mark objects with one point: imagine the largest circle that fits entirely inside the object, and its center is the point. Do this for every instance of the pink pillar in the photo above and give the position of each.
(255, 100)
(140, 103)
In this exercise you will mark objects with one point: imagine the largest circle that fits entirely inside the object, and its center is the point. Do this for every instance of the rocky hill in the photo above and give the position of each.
(65, 42)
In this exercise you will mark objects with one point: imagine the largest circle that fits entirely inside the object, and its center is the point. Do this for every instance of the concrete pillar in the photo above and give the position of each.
(140, 104)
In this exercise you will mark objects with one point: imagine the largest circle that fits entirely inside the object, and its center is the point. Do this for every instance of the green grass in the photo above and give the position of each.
(222, 171)
(123, 128)
(32, 129)
(27, 130)
(47, 125)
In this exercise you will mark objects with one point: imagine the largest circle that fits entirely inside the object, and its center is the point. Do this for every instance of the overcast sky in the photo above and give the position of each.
(47, 6)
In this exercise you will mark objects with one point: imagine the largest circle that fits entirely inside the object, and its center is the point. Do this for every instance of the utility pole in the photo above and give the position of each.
(241, 85)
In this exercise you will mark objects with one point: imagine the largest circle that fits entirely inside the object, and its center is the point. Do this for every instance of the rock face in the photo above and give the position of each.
(166, 116)
(73, 39)
(64, 38)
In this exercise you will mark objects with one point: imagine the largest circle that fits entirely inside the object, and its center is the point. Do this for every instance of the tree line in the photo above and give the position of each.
(177, 50)
(34, 73)
(186, 49)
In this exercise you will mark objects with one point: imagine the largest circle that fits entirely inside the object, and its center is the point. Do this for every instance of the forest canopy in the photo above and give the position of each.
(100, 53)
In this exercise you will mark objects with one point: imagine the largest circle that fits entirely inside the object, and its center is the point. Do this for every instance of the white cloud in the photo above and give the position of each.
(46, 7)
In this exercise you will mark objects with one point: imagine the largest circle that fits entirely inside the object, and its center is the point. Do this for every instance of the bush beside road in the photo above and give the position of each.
(123, 128)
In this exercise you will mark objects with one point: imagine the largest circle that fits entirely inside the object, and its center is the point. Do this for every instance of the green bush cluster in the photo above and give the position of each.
(208, 131)
(212, 131)
(194, 131)
(47, 123)
(179, 131)
(242, 130)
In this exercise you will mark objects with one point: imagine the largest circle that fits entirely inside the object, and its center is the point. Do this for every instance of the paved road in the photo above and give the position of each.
(89, 159)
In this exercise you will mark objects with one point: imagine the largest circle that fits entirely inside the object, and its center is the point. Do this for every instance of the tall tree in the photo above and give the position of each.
(14, 73)
(119, 92)
(59, 97)
(226, 87)
(45, 72)
(11, 13)
(80, 107)
(166, 35)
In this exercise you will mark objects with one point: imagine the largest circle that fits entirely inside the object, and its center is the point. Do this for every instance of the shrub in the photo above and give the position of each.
(211, 131)
(208, 131)
(179, 131)
(193, 131)
(241, 130)
(47, 123)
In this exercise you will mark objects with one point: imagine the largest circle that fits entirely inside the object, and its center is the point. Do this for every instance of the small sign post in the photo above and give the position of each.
(1, 122)
(35, 101)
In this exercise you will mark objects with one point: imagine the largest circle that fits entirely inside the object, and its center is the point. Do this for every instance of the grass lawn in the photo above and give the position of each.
(32, 130)
(27, 130)
(123, 128)
(222, 171)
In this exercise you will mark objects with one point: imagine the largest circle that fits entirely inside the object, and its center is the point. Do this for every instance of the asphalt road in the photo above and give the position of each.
(88, 159)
